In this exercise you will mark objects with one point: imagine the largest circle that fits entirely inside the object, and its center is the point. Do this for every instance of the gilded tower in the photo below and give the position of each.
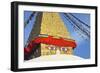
(48, 24)
(53, 25)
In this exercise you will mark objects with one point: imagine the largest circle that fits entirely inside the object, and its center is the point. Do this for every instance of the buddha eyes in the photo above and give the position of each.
(52, 48)
(64, 49)
(55, 48)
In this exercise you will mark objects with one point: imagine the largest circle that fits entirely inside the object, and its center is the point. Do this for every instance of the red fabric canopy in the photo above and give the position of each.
(50, 40)
(56, 41)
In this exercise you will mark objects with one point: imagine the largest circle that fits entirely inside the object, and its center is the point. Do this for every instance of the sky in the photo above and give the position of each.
(83, 46)
(29, 26)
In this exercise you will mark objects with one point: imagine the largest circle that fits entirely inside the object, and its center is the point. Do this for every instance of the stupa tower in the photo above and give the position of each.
(53, 25)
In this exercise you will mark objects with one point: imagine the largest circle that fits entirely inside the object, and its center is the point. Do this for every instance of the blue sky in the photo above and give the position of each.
(29, 26)
(83, 46)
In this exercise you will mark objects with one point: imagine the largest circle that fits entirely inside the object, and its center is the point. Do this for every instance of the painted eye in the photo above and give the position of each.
(52, 48)
(63, 49)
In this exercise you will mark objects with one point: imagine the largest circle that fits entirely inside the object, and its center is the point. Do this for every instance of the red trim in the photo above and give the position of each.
(51, 41)
(55, 41)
